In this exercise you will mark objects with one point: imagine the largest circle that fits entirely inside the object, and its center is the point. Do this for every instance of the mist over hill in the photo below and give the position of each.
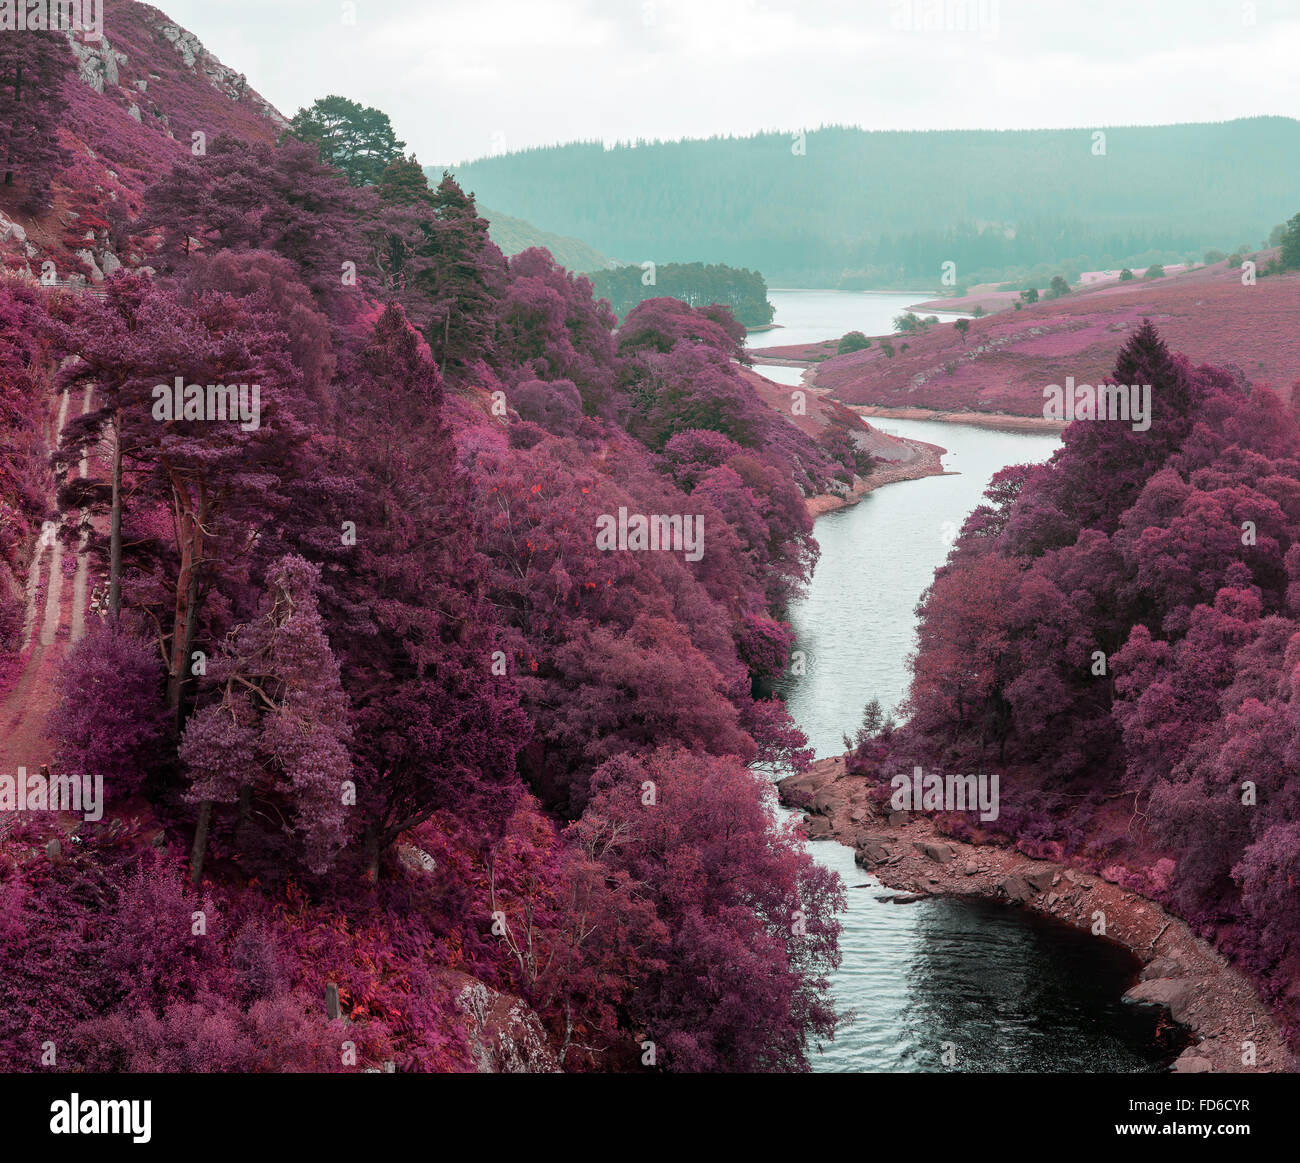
(846, 207)
(513, 235)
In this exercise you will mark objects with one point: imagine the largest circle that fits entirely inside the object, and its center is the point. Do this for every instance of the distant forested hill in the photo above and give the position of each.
(513, 235)
(846, 207)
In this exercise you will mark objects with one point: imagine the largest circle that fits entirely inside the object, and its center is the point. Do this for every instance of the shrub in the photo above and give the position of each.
(852, 341)
(110, 719)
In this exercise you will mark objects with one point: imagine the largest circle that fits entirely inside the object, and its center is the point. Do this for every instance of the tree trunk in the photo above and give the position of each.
(200, 849)
(372, 852)
(191, 620)
(115, 537)
(187, 590)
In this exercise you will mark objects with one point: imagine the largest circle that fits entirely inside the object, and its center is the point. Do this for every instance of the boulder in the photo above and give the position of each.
(1038, 878)
(88, 257)
(1190, 1062)
(871, 850)
(799, 790)
(1017, 888)
(936, 850)
(415, 858)
(1162, 967)
(898, 819)
(824, 802)
(505, 1035)
(1175, 994)
(817, 827)
(11, 229)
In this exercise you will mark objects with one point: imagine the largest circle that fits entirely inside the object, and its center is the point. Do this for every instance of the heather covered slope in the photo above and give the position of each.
(1007, 359)
(135, 99)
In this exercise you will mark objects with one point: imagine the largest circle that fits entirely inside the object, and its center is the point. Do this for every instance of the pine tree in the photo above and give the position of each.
(357, 139)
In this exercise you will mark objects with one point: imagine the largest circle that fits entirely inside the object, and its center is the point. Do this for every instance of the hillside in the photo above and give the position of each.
(383, 698)
(513, 235)
(1008, 358)
(135, 98)
(859, 208)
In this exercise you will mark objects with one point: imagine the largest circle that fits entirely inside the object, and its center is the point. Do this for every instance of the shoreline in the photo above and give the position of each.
(1001, 421)
(1216, 1002)
(928, 463)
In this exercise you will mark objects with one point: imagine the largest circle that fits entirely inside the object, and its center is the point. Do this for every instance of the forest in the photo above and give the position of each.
(744, 292)
(839, 206)
(382, 732)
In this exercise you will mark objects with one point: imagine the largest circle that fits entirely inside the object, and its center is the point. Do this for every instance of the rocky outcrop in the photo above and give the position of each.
(223, 78)
(97, 61)
(505, 1034)
(1177, 995)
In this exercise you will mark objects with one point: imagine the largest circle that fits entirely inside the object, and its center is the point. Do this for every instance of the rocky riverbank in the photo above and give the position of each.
(926, 463)
(1216, 1002)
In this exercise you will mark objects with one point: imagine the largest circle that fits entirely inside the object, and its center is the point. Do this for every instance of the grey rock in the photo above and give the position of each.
(1175, 994)
(1162, 967)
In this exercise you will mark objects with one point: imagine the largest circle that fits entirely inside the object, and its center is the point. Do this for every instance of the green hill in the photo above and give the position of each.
(514, 234)
(846, 207)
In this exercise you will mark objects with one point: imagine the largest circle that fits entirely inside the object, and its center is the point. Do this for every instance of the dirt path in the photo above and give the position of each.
(55, 619)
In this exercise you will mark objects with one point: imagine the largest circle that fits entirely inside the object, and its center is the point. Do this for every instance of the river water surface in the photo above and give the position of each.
(1007, 990)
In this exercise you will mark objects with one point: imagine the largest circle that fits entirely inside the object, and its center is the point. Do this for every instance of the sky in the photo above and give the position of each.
(462, 79)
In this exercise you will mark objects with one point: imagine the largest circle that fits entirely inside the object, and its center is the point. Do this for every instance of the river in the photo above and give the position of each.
(1010, 991)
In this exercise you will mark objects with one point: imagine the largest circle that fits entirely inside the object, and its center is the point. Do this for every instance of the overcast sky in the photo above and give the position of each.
(465, 78)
